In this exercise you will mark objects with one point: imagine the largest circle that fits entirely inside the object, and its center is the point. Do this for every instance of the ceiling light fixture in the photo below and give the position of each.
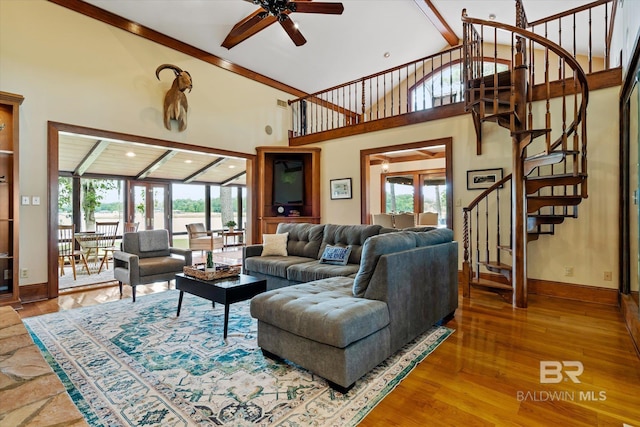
(385, 166)
(131, 154)
(232, 166)
(387, 54)
(492, 17)
(188, 161)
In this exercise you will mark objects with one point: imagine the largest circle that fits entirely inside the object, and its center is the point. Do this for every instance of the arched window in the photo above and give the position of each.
(445, 86)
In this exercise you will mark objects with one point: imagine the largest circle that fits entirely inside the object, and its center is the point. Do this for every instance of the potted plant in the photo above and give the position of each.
(230, 224)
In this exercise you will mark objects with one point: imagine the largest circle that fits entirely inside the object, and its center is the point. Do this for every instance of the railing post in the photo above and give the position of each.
(466, 265)
(363, 101)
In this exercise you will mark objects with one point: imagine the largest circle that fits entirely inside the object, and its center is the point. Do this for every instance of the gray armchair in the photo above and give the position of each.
(146, 257)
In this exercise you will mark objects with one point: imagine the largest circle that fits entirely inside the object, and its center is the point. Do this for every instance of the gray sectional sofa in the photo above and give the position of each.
(341, 321)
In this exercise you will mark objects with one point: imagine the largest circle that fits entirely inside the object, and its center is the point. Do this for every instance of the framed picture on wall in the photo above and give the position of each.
(340, 188)
(482, 179)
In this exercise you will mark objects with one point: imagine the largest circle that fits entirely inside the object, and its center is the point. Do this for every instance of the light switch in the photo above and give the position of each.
(25, 200)
(35, 200)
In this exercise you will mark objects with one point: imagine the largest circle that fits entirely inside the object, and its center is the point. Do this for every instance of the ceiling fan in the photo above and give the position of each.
(277, 11)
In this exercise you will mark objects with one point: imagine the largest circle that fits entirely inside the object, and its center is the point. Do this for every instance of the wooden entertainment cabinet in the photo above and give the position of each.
(9, 198)
(270, 214)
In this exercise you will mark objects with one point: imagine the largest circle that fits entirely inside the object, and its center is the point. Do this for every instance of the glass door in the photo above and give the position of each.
(148, 205)
(399, 194)
(434, 195)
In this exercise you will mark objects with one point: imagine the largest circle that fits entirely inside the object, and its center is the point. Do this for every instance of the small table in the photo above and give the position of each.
(88, 241)
(225, 291)
(235, 234)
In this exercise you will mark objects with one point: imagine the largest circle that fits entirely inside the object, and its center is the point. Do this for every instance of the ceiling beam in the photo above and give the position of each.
(168, 155)
(428, 154)
(202, 171)
(91, 156)
(233, 178)
(432, 14)
(409, 158)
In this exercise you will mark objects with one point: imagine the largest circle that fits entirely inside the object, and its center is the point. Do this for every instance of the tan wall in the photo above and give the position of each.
(589, 244)
(77, 70)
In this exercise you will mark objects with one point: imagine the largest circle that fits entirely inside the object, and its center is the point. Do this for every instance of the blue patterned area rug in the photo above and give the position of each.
(137, 364)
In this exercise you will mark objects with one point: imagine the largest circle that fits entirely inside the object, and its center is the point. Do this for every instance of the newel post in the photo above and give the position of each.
(519, 206)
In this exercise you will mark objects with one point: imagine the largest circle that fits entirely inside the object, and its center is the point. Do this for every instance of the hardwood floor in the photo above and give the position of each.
(488, 372)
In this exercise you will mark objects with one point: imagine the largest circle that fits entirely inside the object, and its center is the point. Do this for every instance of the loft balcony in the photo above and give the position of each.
(432, 87)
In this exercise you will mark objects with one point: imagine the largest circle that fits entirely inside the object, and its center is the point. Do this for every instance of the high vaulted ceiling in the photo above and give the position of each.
(370, 36)
(339, 48)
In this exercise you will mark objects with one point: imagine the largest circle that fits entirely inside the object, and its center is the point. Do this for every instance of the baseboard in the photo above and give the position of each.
(570, 291)
(629, 310)
(34, 292)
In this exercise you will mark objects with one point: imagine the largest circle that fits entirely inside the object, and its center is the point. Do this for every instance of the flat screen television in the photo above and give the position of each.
(288, 182)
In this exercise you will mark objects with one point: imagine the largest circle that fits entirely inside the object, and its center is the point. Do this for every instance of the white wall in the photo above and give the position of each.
(629, 31)
(589, 244)
(77, 70)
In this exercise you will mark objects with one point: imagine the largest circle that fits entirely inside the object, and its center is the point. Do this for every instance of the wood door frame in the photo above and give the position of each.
(53, 130)
(365, 173)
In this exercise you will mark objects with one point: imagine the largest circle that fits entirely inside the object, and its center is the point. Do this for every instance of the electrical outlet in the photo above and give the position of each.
(608, 276)
(24, 273)
(26, 200)
(568, 271)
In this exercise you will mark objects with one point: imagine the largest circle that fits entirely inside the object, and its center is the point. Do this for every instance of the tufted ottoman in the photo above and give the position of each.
(324, 328)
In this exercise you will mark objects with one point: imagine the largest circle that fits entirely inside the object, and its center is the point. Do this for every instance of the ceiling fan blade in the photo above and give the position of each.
(257, 21)
(291, 29)
(316, 7)
(247, 23)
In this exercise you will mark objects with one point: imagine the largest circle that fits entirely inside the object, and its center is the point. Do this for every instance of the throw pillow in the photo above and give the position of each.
(274, 244)
(335, 255)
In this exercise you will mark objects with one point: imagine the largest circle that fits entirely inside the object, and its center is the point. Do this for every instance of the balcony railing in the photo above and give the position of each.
(414, 86)
(584, 31)
(437, 80)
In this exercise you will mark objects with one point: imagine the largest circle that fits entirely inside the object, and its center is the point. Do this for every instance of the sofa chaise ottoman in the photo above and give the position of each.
(342, 327)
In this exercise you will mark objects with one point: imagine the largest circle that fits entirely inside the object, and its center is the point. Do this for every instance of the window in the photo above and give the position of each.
(445, 86)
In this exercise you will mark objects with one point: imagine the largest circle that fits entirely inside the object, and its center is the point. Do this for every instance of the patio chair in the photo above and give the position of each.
(202, 240)
(67, 249)
(105, 241)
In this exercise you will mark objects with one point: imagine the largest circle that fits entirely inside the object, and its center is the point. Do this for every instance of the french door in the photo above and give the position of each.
(149, 205)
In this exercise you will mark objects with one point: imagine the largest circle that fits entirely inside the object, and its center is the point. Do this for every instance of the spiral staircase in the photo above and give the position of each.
(548, 145)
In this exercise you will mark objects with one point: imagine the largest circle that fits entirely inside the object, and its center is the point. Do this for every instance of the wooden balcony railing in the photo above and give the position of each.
(430, 82)
(591, 23)
(414, 86)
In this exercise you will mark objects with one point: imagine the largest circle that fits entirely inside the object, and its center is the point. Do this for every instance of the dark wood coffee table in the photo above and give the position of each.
(224, 291)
